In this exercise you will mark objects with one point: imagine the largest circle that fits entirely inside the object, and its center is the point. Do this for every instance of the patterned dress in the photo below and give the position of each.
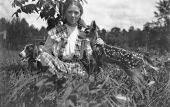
(54, 47)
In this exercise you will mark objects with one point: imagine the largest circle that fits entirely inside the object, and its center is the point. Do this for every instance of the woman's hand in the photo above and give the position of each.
(99, 41)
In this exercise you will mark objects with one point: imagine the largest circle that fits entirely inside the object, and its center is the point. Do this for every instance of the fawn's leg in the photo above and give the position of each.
(137, 76)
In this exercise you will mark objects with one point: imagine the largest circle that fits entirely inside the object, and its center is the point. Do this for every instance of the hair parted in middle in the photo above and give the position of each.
(72, 2)
(66, 5)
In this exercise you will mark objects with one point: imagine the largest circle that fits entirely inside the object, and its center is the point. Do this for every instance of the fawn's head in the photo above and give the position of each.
(92, 32)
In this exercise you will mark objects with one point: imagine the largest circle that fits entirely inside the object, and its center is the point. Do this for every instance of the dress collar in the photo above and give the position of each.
(70, 29)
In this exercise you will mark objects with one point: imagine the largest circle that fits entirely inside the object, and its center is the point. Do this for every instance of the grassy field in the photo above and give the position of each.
(7, 58)
(111, 88)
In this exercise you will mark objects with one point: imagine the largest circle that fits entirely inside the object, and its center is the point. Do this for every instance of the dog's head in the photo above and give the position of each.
(30, 51)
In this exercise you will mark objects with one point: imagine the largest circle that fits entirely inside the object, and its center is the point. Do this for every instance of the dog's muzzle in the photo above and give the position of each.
(22, 54)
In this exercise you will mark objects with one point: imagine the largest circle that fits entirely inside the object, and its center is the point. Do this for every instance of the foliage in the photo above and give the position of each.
(163, 13)
(50, 10)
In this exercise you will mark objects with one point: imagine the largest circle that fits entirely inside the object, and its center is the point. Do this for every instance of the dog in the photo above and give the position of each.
(29, 54)
(130, 62)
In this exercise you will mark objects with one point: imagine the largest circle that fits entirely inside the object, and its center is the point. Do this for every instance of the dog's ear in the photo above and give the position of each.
(35, 53)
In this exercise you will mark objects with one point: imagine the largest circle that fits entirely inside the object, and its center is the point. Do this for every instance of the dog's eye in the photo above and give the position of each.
(31, 48)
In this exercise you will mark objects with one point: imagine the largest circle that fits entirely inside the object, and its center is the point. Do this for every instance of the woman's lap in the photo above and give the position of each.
(55, 63)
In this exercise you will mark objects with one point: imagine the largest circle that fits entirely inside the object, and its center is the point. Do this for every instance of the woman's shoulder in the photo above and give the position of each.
(61, 28)
(57, 29)
(57, 32)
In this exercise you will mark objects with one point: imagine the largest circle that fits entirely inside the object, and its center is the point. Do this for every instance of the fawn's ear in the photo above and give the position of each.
(93, 25)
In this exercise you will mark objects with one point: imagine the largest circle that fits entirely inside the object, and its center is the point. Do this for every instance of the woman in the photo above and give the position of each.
(66, 43)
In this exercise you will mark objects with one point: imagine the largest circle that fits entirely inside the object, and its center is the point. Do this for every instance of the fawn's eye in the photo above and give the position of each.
(87, 30)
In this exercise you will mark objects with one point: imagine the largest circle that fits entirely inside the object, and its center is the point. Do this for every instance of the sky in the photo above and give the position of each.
(106, 13)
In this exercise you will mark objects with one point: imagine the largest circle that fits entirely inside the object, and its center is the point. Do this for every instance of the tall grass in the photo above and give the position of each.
(112, 88)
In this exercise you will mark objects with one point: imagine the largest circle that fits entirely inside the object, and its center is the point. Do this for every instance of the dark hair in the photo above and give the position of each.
(68, 3)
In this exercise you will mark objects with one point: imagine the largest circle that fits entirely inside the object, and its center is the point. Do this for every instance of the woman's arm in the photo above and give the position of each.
(48, 45)
(52, 39)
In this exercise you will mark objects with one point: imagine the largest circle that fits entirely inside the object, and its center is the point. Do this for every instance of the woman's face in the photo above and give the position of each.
(72, 15)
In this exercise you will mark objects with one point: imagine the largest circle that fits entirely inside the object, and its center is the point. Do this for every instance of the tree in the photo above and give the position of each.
(17, 31)
(20, 33)
(163, 13)
(43, 32)
(103, 34)
(131, 36)
(131, 28)
(2, 24)
(163, 19)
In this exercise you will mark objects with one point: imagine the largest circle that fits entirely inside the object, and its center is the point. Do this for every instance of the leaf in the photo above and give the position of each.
(156, 14)
(39, 4)
(67, 92)
(49, 84)
(17, 3)
(82, 101)
(106, 80)
(85, 1)
(50, 96)
(40, 83)
(22, 1)
(16, 14)
(19, 10)
(83, 88)
(69, 103)
(113, 101)
(36, 10)
(94, 91)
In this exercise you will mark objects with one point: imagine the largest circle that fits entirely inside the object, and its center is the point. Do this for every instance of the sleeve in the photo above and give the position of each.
(48, 44)
(52, 39)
